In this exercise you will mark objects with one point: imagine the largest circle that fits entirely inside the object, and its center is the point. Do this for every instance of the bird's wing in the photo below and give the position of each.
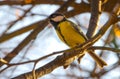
(77, 28)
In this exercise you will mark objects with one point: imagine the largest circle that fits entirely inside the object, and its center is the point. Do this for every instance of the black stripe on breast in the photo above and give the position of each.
(59, 30)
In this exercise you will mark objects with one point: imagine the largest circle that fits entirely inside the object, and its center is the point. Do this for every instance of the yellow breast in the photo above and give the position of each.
(69, 35)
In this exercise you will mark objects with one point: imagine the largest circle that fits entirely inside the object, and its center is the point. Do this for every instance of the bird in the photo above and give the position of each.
(72, 35)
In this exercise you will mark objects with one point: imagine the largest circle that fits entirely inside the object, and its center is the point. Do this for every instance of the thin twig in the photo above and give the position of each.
(105, 48)
(30, 61)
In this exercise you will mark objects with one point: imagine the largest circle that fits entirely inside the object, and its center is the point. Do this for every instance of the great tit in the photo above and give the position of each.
(71, 34)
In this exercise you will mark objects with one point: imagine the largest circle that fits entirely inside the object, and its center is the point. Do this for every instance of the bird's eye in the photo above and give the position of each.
(53, 16)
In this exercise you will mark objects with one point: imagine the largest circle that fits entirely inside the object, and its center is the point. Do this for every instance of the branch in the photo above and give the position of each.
(20, 31)
(33, 2)
(108, 6)
(95, 14)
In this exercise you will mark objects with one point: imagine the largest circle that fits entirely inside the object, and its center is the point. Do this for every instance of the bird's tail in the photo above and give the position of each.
(101, 63)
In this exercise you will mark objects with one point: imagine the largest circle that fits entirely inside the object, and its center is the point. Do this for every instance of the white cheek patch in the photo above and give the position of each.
(58, 18)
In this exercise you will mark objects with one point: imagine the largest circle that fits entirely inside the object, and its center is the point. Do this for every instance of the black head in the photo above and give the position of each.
(55, 15)
(56, 18)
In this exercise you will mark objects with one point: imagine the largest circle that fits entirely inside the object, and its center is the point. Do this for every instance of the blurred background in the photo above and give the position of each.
(19, 18)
